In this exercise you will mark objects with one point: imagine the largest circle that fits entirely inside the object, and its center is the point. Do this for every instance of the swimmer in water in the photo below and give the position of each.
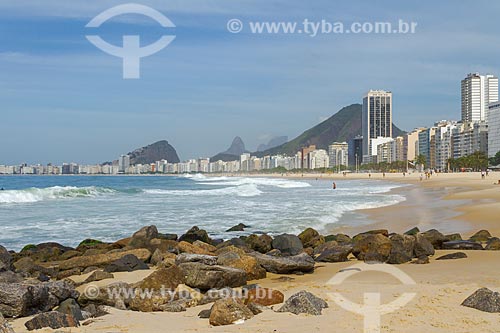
(334, 186)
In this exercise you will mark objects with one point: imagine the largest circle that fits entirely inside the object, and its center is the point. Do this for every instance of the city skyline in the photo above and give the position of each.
(64, 100)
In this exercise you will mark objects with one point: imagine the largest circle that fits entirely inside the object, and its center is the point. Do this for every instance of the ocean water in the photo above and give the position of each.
(68, 209)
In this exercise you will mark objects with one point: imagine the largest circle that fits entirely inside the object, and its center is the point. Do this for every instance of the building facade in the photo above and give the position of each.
(478, 92)
(376, 119)
(494, 129)
(338, 153)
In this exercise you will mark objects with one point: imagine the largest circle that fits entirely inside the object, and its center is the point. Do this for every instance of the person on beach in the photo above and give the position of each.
(482, 175)
(421, 177)
(369, 175)
(334, 186)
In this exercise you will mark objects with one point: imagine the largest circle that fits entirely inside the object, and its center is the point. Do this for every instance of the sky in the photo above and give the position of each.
(64, 100)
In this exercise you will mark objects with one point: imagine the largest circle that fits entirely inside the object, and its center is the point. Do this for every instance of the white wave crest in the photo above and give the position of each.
(238, 181)
(51, 193)
(249, 190)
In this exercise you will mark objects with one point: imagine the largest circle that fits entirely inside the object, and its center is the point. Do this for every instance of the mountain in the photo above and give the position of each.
(233, 152)
(342, 126)
(157, 151)
(274, 142)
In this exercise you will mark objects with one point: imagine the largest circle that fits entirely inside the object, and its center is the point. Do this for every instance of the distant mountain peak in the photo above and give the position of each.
(160, 150)
(233, 152)
(274, 142)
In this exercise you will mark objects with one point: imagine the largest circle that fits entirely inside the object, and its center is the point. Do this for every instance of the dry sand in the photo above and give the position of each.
(455, 202)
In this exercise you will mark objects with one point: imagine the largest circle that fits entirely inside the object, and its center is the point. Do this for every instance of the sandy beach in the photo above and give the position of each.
(451, 203)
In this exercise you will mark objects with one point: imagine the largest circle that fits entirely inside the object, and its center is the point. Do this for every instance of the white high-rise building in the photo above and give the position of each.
(478, 92)
(338, 153)
(494, 129)
(123, 163)
(376, 120)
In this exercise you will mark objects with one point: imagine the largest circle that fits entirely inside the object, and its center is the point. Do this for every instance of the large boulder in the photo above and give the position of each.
(201, 258)
(101, 260)
(372, 247)
(70, 307)
(259, 243)
(455, 255)
(110, 295)
(126, 263)
(304, 302)
(485, 300)
(288, 244)
(195, 234)
(45, 252)
(206, 277)
(311, 238)
(238, 227)
(333, 252)
(423, 247)
(244, 262)
(53, 319)
(481, 236)
(229, 311)
(402, 249)
(435, 238)
(28, 267)
(5, 259)
(141, 238)
(383, 232)
(185, 247)
(412, 232)
(21, 300)
(168, 278)
(462, 245)
(493, 244)
(155, 301)
(285, 265)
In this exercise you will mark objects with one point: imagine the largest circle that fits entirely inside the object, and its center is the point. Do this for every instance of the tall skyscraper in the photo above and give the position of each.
(123, 163)
(478, 92)
(376, 119)
(494, 129)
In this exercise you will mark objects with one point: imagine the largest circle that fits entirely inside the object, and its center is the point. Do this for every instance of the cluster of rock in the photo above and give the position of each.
(193, 270)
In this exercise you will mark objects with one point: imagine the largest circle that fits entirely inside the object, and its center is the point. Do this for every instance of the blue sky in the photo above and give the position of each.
(62, 99)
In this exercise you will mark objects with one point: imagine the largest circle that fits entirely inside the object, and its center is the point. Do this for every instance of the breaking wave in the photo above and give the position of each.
(51, 193)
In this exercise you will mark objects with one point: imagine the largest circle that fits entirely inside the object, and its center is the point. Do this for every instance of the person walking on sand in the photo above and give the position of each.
(482, 175)
(369, 175)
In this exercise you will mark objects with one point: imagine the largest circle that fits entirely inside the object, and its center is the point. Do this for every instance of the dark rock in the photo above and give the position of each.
(255, 308)
(456, 255)
(423, 247)
(142, 238)
(462, 245)
(412, 232)
(372, 247)
(402, 249)
(422, 260)
(172, 237)
(337, 253)
(45, 252)
(89, 243)
(453, 237)
(98, 276)
(5, 259)
(484, 300)
(382, 232)
(481, 236)
(239, 227)
(205, 314)
(200, 258)
(70, 307)
(288, 244)
(304, 302)
(53, 319)
(262, 243)
(127, 263)
(22, 299)
(311, 238)
(435, 238)
(195, 234)
(27, 266)
(493, 244)
(228, 311)
(206, 277)
(285, 265)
